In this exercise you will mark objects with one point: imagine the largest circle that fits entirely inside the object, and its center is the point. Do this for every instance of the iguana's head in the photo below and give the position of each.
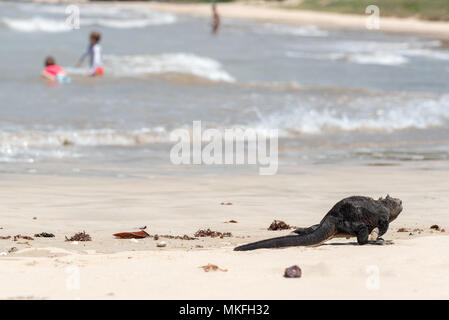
(394, 204)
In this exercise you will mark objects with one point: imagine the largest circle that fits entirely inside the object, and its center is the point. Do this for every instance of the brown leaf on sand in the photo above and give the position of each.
(132, 235)
(80, 236)
(226, 203)
(5, 238)
(279, 225)
(213, 267)
(231, 221)
(435, 227)
(403, 230)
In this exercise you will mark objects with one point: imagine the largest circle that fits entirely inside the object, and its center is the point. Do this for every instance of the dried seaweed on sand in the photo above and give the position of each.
(80, 236)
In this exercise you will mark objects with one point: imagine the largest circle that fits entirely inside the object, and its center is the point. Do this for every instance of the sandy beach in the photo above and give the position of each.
(359, 113)
(277, 13)
(413, 267)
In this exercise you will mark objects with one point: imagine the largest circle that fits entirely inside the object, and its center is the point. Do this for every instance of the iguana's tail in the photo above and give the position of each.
(317, 237)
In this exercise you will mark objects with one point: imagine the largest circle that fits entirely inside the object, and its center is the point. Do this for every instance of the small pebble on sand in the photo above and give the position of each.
(161, 244)
(293, 272)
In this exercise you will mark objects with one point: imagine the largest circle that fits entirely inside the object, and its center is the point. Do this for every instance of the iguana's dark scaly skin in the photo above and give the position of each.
(354, 216)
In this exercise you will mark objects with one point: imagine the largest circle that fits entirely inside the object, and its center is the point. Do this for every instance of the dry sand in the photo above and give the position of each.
(414, 267)
(269, 12)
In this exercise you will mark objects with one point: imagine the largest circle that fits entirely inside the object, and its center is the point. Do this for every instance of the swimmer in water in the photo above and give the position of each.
(215, 19)
(54, 72)
(94, 53)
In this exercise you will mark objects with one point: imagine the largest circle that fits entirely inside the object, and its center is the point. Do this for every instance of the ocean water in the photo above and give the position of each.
(335, 96)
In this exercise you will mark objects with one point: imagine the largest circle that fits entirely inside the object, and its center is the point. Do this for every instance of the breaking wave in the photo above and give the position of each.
(379, 58)
(303, 119)
(36, 24)
(184, 63)
(10, 141)
(303, 31)
(376, 53)
(131, 23)
(43, 24)
(90, 9)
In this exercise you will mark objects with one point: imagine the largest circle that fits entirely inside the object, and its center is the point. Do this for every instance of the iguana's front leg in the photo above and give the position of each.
(382, 227)
(362, 233)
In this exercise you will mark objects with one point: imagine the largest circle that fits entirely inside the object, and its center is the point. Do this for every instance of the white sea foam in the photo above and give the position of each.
(88, 10)
(375, 53)
(304, 119)
(91, 9)
(303, 31)
(45, 24)
(417, 113)
(10, 141)
(36, 24)
(20, 155)
(426, 53)
(129, 23)
(291, 121)
(378, 58)
(136, 65)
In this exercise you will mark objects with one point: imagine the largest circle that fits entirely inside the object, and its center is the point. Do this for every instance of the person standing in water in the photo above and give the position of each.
(215, 19)
(94, 53)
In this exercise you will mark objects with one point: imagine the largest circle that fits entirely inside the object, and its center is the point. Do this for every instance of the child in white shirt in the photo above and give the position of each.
(94, 53)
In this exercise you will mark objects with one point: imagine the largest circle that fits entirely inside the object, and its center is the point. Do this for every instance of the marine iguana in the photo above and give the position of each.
(353, 216)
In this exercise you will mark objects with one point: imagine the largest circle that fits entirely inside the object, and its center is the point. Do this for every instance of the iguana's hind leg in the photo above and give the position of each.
(304, 231)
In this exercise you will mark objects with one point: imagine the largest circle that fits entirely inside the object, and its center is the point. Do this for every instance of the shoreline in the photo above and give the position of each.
(273, 14)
